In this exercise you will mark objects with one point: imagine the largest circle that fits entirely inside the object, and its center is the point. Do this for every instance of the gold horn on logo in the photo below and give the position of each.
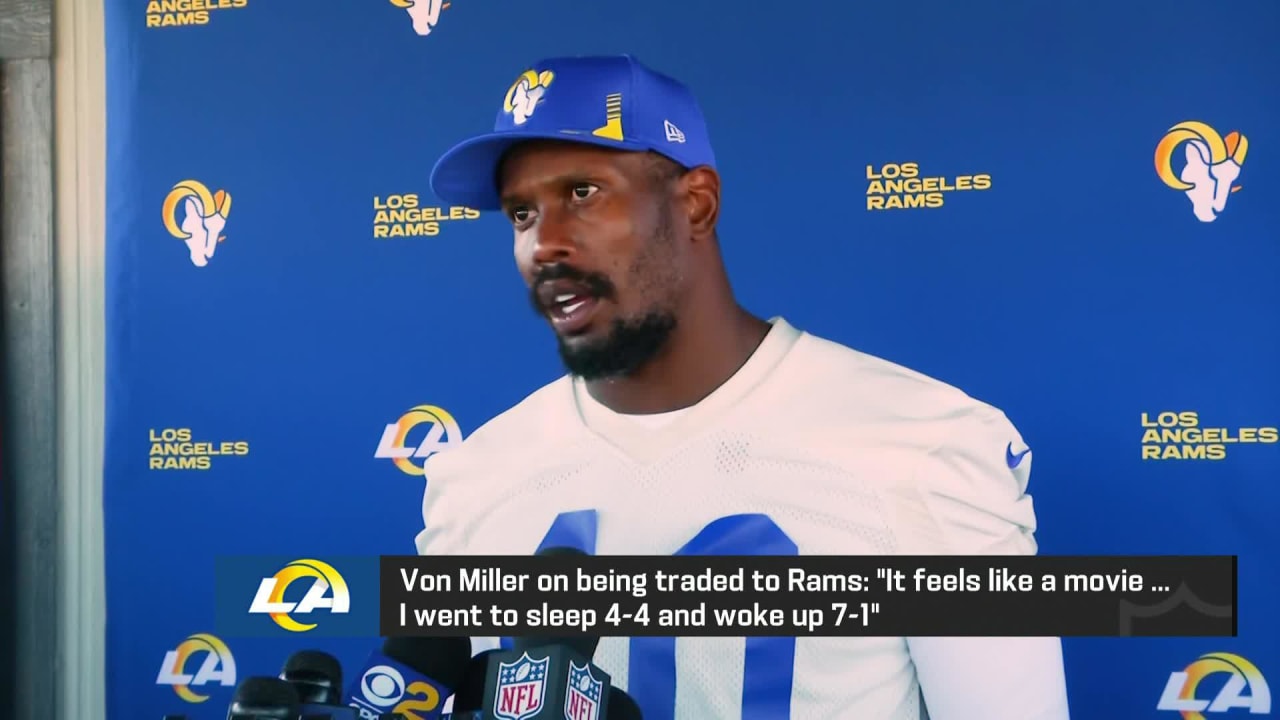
(210, 204)
(1235, 146)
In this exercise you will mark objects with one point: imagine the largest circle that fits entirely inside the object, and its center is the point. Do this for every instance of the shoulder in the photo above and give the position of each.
(843, 382)
(964, 464)
(538, 421)
(463, 480)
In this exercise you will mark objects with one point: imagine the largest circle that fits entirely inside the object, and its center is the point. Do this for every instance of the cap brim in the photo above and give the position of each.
(468, 173)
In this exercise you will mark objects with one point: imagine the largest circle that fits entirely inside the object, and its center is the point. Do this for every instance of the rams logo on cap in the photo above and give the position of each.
(525, 94)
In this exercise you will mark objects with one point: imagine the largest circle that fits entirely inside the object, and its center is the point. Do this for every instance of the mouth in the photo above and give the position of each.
(570, 306)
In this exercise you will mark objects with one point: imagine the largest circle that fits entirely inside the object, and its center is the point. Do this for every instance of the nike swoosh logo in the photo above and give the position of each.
(1014, 460)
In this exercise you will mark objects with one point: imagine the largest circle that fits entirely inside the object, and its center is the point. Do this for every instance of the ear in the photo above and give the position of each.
(701, 190)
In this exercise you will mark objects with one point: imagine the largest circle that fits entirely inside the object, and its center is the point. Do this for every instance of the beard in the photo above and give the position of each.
(634, 340)
(630, 344)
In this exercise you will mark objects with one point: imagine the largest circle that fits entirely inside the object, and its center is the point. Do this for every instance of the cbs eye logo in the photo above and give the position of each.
(383, 690)
(382, 686)
(270, 598)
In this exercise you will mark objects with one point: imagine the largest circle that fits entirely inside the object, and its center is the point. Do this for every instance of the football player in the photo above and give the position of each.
(686, 425)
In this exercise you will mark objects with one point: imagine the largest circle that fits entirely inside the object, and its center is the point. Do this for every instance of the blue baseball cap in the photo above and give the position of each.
(609, 101)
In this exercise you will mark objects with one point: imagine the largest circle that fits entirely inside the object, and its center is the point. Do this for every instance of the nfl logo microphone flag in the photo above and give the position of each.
(1082, 234)
(583, 698)
(521, 688)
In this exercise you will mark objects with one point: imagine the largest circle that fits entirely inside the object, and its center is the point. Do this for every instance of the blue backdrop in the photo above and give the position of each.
(282, 285)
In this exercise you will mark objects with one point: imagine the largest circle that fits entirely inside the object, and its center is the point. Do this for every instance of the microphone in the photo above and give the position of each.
(317, 678)
(548, 677)
(468, 698)
(409, 675)
(264, 698)
(468, 701)
(622, 706)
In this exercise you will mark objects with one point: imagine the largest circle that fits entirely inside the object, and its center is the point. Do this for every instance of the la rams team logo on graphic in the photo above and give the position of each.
(525, 93)
(582, 702)
(270, 597)
(1213, 164)
(216, 666)
(197, 217)
(402, 444)
(1244, 689)
(521, 687)
(424, 13)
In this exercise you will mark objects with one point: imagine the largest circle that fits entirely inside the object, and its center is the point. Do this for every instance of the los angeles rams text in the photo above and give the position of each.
(1179, 436)
(182, 13)
(173, 449)
(397, 216)
(897, 186)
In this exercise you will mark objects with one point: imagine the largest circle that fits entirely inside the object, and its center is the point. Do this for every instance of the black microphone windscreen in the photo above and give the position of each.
(622, 706)
(264, 697)
(469, 695)
(583, 645)
(442, 659)
(561, 552)
(316, 675)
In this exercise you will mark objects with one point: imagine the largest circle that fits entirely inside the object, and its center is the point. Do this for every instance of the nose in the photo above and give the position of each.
(552, 240)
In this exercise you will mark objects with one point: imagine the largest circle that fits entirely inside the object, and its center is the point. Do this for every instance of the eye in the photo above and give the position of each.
(520, 214)
(582, 191)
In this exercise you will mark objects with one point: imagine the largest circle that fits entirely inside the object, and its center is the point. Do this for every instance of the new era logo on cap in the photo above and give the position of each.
(610, 101)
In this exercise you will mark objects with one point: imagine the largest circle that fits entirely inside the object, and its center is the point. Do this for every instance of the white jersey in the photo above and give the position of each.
(841, 453)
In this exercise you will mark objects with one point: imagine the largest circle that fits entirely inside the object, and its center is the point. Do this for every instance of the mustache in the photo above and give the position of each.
(597, 284)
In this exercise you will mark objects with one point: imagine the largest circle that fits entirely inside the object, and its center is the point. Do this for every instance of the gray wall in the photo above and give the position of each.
(28, 447)
(52, 146)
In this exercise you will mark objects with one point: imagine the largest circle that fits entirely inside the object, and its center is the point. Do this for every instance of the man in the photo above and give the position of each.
(686, 425)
